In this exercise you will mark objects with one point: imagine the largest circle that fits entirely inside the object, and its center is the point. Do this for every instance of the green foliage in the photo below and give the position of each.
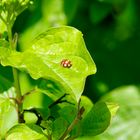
(59, 126)
(44, 59)
(96, 121)
(47, 73)
(5, 81)
(10, 9)
(2, 27)
(99, 11)
(24, 132)
(125, 124)
(8, 112)
(30, 118)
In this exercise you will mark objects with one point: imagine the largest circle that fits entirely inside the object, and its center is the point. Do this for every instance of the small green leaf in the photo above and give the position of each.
(4, 43)
(113, 108)
(96, 121)
(43, 59)
(58, 128)
(3, 27)
(30, 118)
(8, 113)
(25, 132)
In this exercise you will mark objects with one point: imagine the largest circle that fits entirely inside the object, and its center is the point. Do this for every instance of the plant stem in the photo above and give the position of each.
(75, 121)
(15, 71)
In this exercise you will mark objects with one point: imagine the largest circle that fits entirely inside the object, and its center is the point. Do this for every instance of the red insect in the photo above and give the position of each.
(66, 63)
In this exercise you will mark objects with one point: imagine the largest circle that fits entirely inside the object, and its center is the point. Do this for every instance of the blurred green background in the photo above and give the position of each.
(110, 29)
(112, 34)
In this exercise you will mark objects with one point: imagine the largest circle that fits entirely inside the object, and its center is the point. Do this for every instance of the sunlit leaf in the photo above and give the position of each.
(3, 27)
(30, 118)
(43, 59)
(25, 132)
(113, 108)
(4, 43)
(8, 112)
(53, 15)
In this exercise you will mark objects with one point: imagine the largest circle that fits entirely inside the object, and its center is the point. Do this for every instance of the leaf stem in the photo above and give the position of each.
(75, 121)
(15, 71)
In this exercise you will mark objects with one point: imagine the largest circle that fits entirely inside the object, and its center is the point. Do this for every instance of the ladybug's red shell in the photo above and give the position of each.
(66, 63)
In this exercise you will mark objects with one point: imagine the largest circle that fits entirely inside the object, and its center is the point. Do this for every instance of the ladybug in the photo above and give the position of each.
(66, 63)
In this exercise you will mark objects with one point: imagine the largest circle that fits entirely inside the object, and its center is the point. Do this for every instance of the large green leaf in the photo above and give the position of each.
(44, 56)
(126, 124)
(8, 112)
(25, 132)
(96, 121)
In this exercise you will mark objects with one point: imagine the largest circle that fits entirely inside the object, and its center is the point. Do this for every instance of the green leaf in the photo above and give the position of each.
(28, 35)
(8, 112)
(96, 121)
(58, 128)
(50, 86)
(52, 15)
(5, 82)
(25, 132)
(3, 27)
(87, 104)
(44, 56)
(10, 9)
(4, 43)
(30, 117)
(37, 100)
(125, 125)
(68, 112)
(113, 108)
